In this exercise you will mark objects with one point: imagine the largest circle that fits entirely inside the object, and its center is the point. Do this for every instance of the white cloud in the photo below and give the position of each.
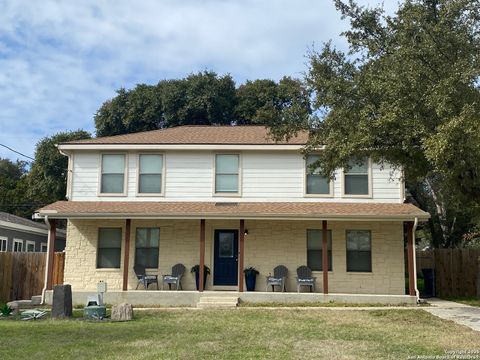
(60, 60)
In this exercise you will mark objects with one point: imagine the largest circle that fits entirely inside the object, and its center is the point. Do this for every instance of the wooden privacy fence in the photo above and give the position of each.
(58, 267)
(22, 275)
(457, 271)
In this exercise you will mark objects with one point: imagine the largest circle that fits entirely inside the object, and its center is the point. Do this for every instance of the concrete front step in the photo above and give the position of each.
(217, 302)
(18, 305)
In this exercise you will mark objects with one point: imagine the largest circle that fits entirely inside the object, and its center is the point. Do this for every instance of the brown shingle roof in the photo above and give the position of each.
(320, 210)
(236, 135)
(21, 221)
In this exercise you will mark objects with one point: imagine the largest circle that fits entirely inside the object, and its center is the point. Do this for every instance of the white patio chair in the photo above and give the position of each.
(280, 274)
(175, 278)
(143, 278)
(305, 278)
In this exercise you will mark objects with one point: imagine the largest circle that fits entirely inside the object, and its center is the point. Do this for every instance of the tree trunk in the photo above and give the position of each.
(441, 213)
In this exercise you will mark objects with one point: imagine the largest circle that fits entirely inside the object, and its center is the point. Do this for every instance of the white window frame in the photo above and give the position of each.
(29, 242)
(305, 178)
(370, 183)
(17, 241)
(162, 187)
(42, 246)
(100, 173)
(227, 194)
(3, 244)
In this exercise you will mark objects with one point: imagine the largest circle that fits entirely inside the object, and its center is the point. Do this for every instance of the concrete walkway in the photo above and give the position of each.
(460, 313)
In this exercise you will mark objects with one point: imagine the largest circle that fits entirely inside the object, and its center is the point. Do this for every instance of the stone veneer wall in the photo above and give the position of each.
(269, 243)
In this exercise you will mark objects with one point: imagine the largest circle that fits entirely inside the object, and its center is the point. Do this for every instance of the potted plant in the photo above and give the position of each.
(250, 277)
(196, 269)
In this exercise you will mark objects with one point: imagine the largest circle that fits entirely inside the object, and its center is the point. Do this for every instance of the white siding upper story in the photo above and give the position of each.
(270, 175)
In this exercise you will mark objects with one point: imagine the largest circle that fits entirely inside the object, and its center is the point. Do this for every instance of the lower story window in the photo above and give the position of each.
(43, 247)
(30, 246)
(3, 244)
(109, 247)
(359, 251)
(314, 249)
(146, 247)
(17, 245)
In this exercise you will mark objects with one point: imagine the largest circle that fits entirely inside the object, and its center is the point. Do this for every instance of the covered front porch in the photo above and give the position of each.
(263, 239)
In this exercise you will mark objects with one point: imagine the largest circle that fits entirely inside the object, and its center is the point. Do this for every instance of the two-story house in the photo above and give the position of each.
(18, 234)
(230, 197)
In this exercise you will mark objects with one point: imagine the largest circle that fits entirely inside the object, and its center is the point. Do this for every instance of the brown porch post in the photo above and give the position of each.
(241, 255)
(52, 235)
(410, 259)
(325, 256)
(126, 254)
(201, 285)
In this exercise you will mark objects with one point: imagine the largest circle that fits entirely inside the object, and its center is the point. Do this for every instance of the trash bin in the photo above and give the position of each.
(429, 282)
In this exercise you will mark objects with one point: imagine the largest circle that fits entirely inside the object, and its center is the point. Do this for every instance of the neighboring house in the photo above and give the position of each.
(22, 235)
(230, 197)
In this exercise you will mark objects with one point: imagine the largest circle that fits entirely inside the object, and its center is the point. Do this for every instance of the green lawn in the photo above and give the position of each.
(243, 333)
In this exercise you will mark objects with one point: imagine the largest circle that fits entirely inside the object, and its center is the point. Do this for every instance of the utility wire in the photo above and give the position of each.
(31, 158)
(17, 152)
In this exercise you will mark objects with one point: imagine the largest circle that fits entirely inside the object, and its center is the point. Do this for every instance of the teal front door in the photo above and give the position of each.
(225, 257)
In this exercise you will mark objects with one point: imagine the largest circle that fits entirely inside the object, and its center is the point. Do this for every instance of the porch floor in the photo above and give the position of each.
(190, 298)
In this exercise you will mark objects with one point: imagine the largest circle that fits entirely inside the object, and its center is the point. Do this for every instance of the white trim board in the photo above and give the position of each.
(218, 147)
(234, 217)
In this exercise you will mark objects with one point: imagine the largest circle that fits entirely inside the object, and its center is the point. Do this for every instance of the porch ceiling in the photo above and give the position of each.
(233, 210)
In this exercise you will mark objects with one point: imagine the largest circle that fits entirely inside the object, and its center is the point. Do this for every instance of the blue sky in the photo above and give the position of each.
(60, 60)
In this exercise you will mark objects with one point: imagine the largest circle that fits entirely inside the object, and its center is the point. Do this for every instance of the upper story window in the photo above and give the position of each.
(316, 183)
(357, 178)
(227, 173)
(150, 174)
(113, 174)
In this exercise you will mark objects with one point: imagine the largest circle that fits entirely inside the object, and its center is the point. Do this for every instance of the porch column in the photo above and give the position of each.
(325, 256)
(410, 259)
(126, 254)
(52, 236)
(241, 255)
(201, 285)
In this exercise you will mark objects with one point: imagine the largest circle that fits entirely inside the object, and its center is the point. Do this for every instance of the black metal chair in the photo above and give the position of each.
(280, 274)
(305, 278)
(143, 278)
(175, 278)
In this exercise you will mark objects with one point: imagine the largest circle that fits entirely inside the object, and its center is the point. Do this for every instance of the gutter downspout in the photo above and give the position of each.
(69, 172)
(417, 293)
(42, 302)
